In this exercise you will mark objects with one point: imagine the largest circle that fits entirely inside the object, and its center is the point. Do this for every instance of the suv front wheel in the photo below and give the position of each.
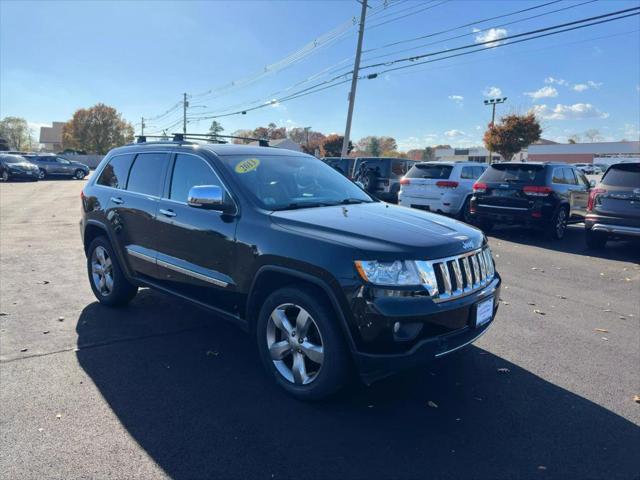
(300, 343)
(108, 283)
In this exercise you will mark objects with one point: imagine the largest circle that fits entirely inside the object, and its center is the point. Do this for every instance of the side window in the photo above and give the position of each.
(582, 179)
(467, 173)
(115, 173)
(147, 173)
(189, 171)
(558, 176)
(569, 177)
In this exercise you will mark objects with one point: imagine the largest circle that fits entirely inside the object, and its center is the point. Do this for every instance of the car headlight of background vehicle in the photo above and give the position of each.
(397, 273)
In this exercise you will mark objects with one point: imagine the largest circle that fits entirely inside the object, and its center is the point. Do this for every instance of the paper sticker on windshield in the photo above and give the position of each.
(247, 165)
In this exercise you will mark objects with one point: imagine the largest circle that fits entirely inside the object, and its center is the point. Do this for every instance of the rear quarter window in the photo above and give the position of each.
(623, 175)
(440, 172)
(509, 173)
(115, 173)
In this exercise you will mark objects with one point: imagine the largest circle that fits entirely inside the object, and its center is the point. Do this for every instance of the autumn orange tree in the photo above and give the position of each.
(512, 134)
(331, 146)
(97, 129)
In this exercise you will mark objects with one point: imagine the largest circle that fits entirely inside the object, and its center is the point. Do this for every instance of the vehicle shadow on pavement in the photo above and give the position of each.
(573, 243)
(192, 392)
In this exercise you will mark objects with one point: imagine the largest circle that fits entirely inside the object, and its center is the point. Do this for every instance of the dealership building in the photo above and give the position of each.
(598, 152)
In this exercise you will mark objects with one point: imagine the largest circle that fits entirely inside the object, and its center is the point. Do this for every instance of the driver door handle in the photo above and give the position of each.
(167, 213)
(117, 200)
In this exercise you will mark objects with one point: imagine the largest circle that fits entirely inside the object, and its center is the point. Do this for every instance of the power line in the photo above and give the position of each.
(478, 31)
(326, 85)
(476, 22)
(407, 15)
(497, 42)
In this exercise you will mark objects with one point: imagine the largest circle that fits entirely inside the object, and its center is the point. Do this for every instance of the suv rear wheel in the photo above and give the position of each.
(558, 225)
(300, 344)
(108, 283)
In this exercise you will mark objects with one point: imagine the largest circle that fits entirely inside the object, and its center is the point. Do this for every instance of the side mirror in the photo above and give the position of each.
(207, 196)
(592, 183)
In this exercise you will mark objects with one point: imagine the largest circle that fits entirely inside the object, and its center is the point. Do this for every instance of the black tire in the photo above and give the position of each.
(369, 181)
(79, 174)
(465, 212)
(4, 176)
(558, 225)
(42, 174)
(122, 291)
(335, 368)
(595, 240)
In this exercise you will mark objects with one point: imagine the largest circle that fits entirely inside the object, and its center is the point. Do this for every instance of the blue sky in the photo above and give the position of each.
(141, 56)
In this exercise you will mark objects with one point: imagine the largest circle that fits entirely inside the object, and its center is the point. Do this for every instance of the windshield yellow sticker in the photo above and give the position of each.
(248, 165)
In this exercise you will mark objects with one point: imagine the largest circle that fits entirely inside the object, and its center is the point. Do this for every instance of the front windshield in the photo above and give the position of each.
(281, 182)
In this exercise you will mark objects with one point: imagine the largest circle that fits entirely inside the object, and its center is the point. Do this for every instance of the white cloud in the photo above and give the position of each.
(557, 81)
(454, 133)
(492, 92)
(457, 98)
(492, 35)
(593, 84)
(544, 92)
(580, 87)
(412, 143)
(568, 112)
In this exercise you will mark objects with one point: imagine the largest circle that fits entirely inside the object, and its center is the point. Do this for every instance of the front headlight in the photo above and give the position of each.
(389, 273)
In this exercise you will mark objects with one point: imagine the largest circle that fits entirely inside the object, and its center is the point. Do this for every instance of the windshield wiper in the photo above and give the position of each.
(295, 206)
(353, 201)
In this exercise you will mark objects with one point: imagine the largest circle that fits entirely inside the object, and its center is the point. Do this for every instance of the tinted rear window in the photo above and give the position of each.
(115, 173)
(430, 171)
(530, 174)
(623, 175)
(147, 173)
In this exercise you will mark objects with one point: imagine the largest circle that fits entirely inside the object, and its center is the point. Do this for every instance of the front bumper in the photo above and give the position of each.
(443, 328)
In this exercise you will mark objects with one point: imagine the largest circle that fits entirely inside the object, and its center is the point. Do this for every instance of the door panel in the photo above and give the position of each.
(196, 246)
(579, 193)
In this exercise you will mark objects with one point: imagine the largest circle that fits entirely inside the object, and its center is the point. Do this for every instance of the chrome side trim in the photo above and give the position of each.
(141, 256)
(191, 273)
(496, 206)
(463, 345)
(616, 229)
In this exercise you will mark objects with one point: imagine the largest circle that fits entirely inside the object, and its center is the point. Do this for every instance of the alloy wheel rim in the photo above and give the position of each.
(79, 175)
(295, 344)
(102, 271)
(561, 223)
(41, 174)
(5, 176)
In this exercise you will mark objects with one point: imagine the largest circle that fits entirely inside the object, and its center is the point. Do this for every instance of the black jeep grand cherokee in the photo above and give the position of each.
(325, 276)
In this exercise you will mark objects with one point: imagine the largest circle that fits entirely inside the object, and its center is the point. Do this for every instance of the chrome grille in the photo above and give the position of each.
(454, 277)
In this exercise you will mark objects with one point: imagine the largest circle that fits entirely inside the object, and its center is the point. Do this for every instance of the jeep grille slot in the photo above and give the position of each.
(460, 275)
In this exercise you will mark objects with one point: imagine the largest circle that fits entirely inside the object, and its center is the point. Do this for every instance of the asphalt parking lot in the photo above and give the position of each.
(161, 389)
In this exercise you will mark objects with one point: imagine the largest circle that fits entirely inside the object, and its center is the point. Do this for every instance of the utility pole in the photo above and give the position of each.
(493, 102)
(185, 104)
(142, 125)
(306, 131)
(354, 80)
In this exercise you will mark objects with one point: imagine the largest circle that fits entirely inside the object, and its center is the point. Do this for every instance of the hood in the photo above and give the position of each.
(383, 231)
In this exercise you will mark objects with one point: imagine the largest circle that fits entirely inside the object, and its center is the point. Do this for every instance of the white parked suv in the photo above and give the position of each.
(441, 187)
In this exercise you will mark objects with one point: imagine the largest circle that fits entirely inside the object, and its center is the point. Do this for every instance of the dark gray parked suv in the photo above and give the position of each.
(52, 165)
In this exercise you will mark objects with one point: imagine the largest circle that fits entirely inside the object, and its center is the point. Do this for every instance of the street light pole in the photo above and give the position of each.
(493, 102)
(354, 80)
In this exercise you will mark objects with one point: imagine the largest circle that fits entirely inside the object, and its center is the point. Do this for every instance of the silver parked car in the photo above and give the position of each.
(53, 165)
(441, 187)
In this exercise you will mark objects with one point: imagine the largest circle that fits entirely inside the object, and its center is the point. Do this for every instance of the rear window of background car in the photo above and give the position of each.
(529, 174)
(115, 173)
(147, 172)
(623, 175)
(439, 172)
